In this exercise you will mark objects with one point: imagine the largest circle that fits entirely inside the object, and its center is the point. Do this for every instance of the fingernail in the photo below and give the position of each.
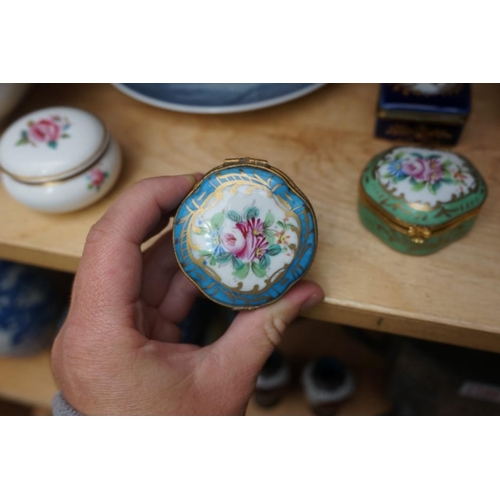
(312, 301)
(194, 177)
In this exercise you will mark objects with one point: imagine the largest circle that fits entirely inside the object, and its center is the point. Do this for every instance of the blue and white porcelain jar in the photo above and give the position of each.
(29, 309)
(245, 234)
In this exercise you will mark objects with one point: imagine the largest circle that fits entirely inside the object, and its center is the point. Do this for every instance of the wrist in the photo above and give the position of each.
(61, 408)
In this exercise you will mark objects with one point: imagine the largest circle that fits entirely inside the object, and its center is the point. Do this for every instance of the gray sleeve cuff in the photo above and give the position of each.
(61, 408)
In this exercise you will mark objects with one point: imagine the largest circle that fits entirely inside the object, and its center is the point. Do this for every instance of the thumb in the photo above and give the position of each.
(251, 338)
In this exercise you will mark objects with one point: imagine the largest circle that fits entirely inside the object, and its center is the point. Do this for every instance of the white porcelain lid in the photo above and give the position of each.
(52, 143)
(425, 177)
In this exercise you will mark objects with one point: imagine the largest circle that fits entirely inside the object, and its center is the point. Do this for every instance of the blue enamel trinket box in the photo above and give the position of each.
(432, 113)
(245, 234)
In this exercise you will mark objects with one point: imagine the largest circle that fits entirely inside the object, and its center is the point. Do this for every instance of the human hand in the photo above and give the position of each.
(118, 352)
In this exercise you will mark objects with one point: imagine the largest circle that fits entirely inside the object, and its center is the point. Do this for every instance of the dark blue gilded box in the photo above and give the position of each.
(423, 112)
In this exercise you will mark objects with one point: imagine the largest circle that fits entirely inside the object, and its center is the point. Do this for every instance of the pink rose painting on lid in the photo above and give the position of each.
(424, 171)
(45, 131)
(246, 239)
(247, 244)
(96, 178)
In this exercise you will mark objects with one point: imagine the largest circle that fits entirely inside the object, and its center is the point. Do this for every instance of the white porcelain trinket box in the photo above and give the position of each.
(59, 159)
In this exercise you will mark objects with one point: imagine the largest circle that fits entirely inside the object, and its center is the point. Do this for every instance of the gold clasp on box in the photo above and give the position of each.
(419, 234)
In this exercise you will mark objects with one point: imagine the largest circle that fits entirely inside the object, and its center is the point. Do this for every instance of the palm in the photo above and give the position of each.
(166, 295)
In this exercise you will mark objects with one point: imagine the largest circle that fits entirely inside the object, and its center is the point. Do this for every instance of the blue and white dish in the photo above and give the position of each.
(29, 308)
(216, 98)
(245, 234)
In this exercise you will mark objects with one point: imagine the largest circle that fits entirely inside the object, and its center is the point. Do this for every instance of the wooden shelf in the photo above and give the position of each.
(323, 141)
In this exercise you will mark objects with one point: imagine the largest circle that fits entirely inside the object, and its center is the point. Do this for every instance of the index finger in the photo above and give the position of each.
(108, 281)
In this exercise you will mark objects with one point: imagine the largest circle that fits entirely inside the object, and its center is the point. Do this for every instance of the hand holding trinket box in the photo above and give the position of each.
(419, 200)
(59, 160)
(245, 234)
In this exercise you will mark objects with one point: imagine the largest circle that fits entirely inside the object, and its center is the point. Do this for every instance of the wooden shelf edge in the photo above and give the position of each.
(407, 327)
(40, 258)
(351, 316)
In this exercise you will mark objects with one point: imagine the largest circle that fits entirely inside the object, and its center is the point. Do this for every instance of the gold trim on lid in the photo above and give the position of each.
(422, 117)
(72, 176)
(418, 234)
(61, 180)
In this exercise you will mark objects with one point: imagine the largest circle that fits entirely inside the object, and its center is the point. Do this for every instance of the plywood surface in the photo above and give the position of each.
(322, 141)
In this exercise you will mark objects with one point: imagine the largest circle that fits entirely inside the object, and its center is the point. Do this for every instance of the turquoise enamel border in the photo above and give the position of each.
(306, 247)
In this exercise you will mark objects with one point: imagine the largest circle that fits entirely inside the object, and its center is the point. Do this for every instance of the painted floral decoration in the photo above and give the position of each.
(248, 244)
(425, 171)
(46, 130)
(96, 178)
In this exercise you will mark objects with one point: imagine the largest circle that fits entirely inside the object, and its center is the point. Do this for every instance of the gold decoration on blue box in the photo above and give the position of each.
(431, 113)
(245, 234)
